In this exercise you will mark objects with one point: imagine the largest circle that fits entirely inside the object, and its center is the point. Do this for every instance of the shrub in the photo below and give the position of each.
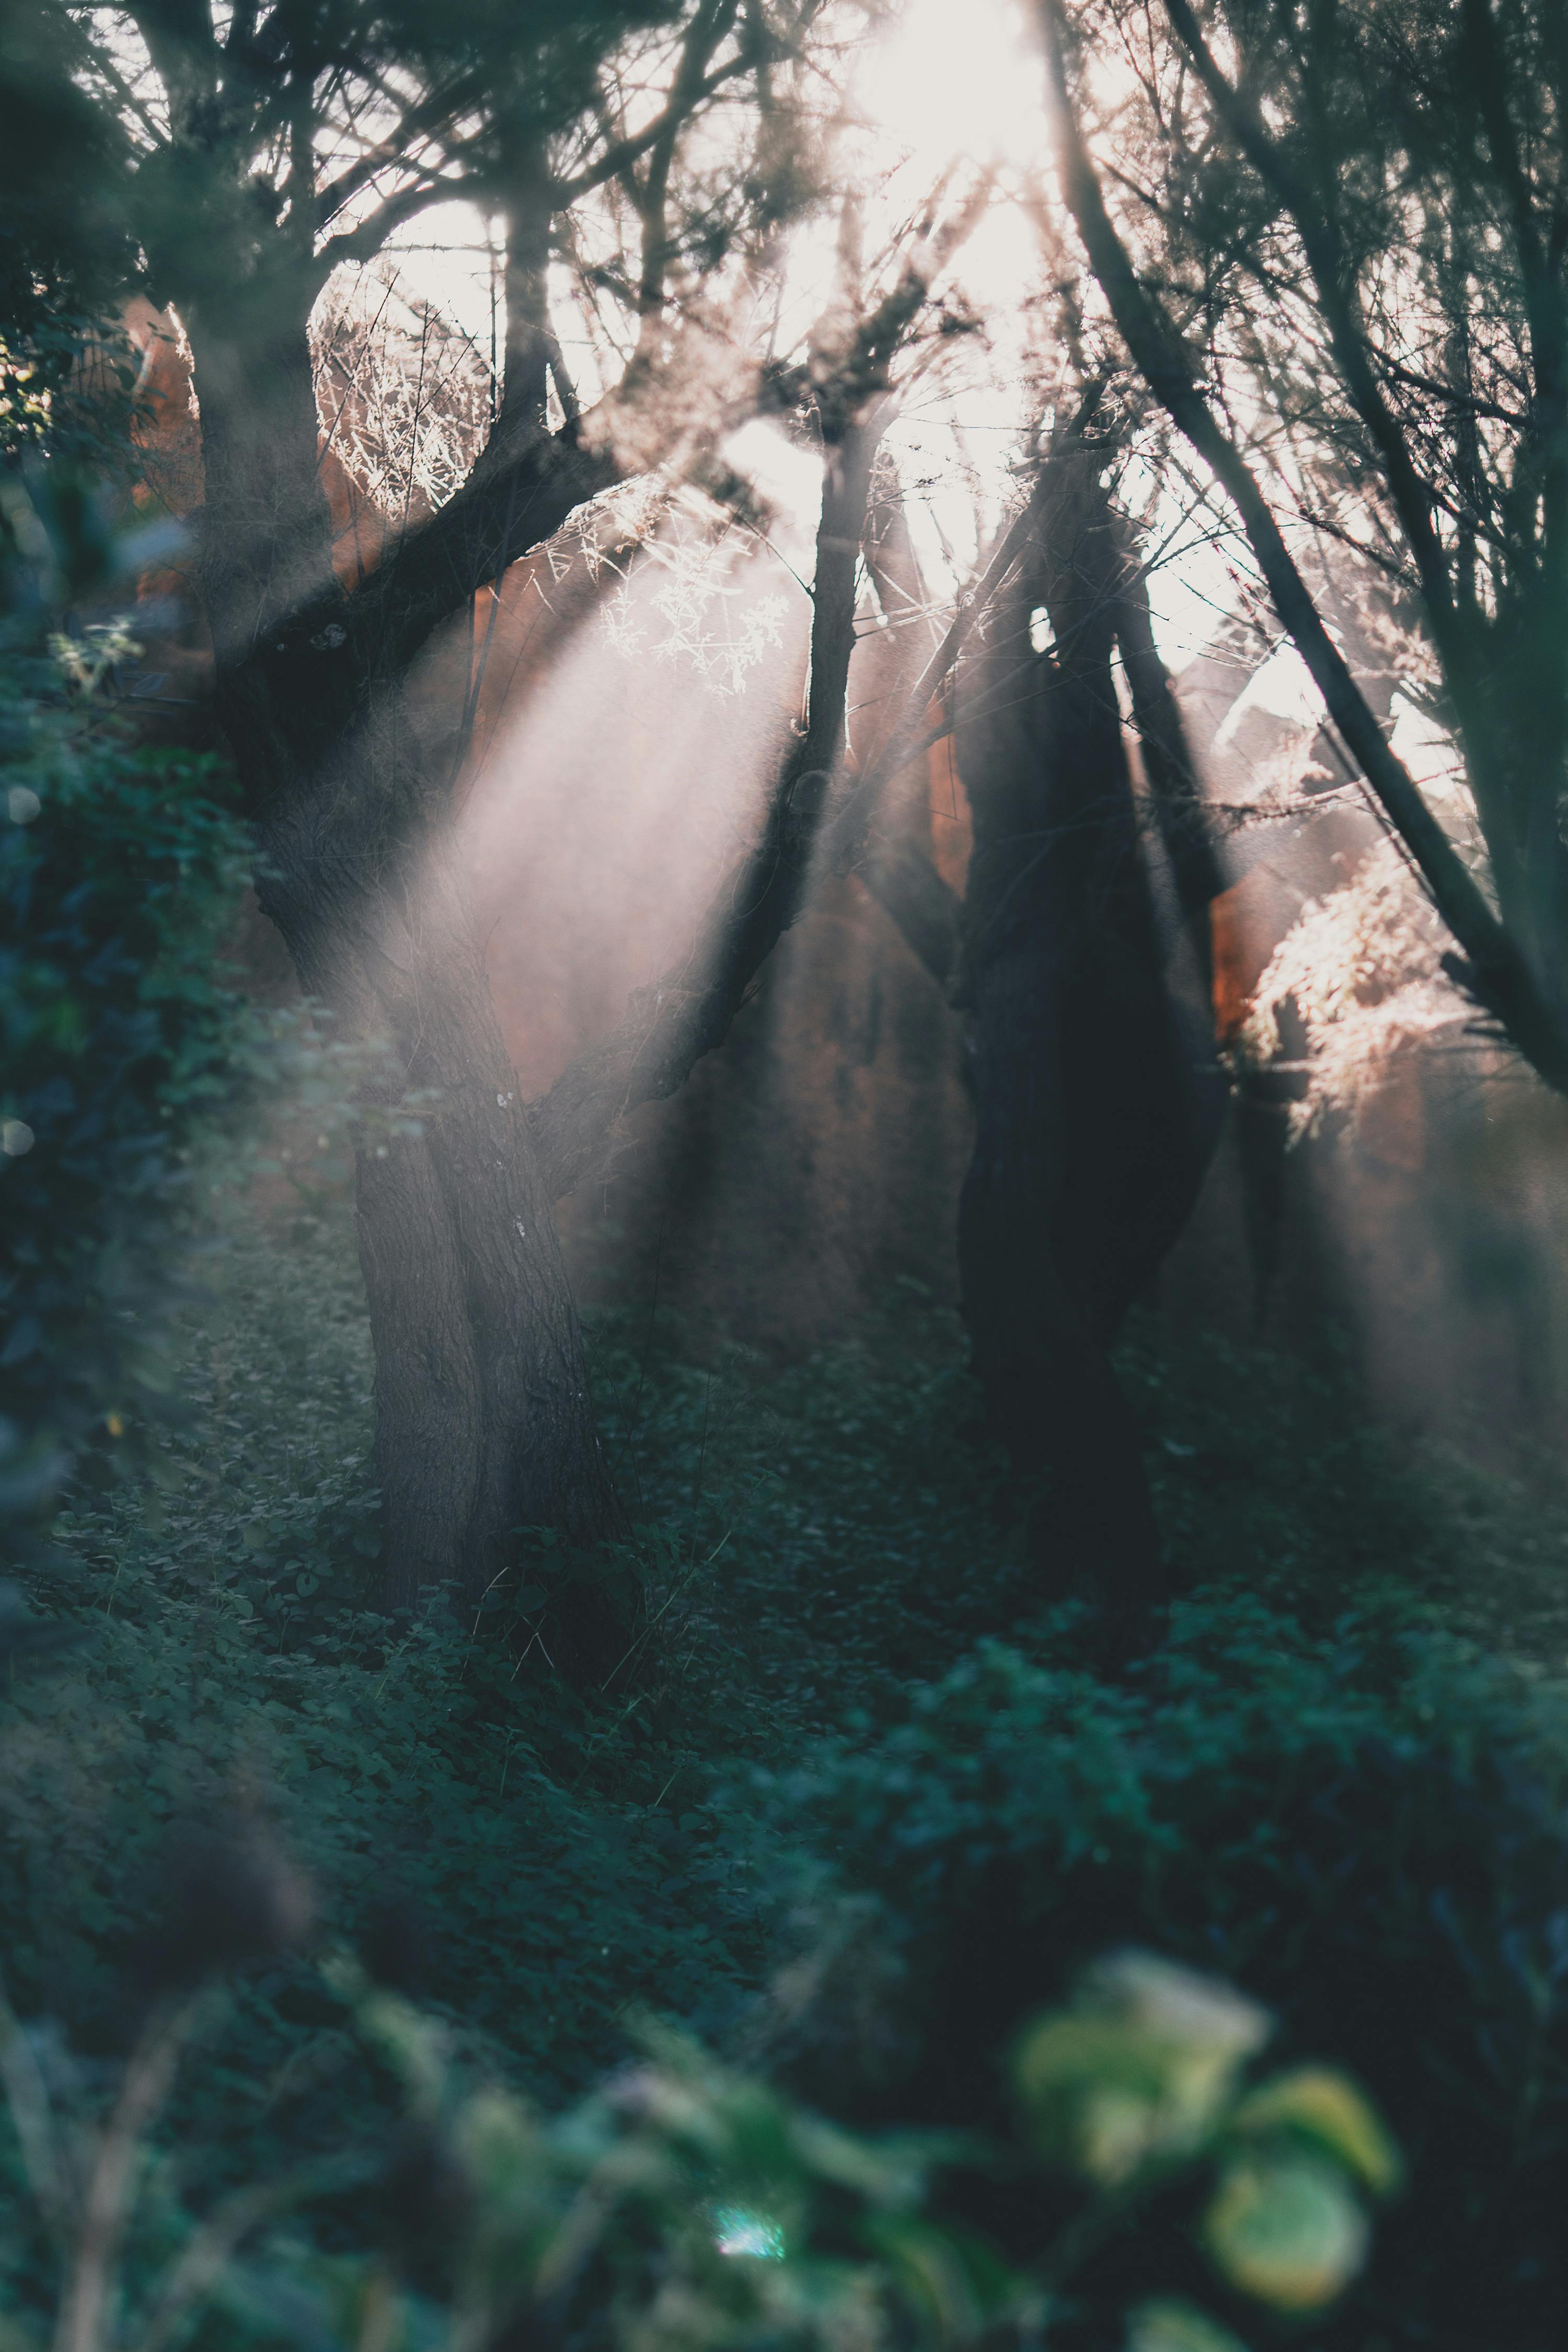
(119, 873)
(685, 2204)
(1385, 1860)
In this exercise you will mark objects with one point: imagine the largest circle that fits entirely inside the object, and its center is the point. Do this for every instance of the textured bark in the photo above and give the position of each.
(1091, 1126)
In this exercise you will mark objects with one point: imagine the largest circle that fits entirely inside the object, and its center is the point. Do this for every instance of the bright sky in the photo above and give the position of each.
(952, 87)
(959, 77)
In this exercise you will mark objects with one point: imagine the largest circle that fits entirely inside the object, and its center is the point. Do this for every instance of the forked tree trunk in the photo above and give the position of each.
(1091, 1127)
(484, 1425)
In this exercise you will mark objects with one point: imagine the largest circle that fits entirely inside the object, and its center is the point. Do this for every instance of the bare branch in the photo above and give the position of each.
(1324, 249)
(426, 119)
(1498, 974)
(364, 241)
(650, 197)
(623, 153)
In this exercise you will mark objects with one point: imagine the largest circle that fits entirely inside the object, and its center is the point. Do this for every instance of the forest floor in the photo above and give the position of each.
(818, 1546)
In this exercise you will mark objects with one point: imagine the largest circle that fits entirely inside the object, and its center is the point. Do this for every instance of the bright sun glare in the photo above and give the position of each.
(949, 82)
(949, 88)
(958, 78)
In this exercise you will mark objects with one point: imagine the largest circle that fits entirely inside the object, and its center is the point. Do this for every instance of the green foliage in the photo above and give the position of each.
(1343, 1816)
(228, 1656)
(846, 1531)
(119, 873)
(1273, 1476)
(686, 2202)
(1381, 1854)
(61, 233)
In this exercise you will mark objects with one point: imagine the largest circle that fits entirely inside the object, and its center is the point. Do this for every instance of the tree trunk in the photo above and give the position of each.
(484, 1426)
(1091, 1129)
(485, 1429)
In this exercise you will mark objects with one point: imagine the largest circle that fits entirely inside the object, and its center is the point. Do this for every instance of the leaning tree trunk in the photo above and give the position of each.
(484, 1425)
(1091, 1129)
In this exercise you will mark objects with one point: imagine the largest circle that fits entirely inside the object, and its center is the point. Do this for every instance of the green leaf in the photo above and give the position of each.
(948, 2272)
(1140, 2068)
(1322, 2106)
(1177, 2327)
(1286, 2229)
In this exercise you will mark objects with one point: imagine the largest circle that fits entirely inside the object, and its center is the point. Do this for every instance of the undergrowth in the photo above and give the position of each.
(826, 1553)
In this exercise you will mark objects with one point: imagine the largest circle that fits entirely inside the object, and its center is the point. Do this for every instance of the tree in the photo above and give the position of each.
(1096, 1095)
(256, 150)
(1090, 1048)
(1334, 243)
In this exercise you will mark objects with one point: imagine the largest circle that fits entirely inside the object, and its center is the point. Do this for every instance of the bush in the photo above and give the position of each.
(120, 871)
(1384, 1857)
(685, 2204)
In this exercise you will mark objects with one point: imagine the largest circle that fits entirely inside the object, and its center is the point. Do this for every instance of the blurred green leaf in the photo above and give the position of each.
(1165, 2326)
(959, 2282)
(1140, 2068)
(1287, 2229)
(1324, 2107)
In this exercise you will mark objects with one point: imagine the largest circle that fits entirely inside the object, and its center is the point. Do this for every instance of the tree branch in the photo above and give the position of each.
(1498, 973)
(424, 120)
(631, 150)
(1542, 296)
(926, 908)
(529, 488)
(1178, 798)
(686, 1013)
(895, 870)
(712, 22)
(365, 241)
(669, 1026)
(1324, 249)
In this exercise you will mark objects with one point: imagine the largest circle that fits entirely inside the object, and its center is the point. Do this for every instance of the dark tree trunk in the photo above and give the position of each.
(484, 1426)
(1092, 1126)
